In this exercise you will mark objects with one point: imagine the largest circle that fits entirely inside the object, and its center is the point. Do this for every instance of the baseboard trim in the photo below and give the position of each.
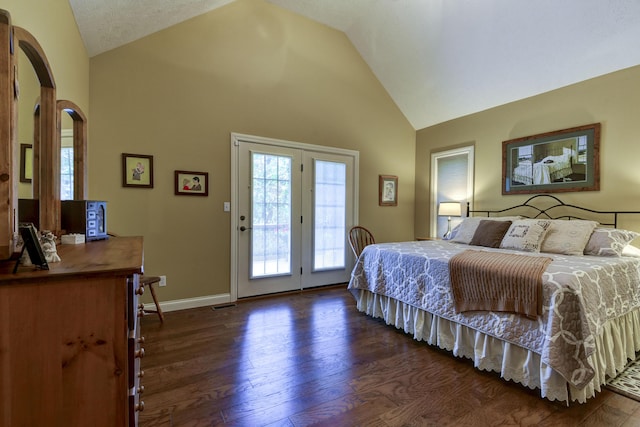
(184, 304)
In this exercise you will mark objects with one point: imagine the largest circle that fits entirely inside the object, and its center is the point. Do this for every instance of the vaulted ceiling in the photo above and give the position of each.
(438, 59)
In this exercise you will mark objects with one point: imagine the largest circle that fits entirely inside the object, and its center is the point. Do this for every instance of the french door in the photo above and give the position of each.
(294, 205)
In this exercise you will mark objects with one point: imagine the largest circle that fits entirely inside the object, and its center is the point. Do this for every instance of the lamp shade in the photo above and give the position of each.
(449, 209)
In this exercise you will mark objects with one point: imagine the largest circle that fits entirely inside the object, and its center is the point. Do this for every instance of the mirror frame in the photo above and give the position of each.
(8, 188)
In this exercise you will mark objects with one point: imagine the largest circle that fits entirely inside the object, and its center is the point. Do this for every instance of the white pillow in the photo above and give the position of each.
(463, 232)
(568, 237)
(526, 235)
(609, 241)
(631, 251)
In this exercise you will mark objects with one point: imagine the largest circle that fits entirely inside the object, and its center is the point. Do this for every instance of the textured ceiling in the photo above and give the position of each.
(438, 59)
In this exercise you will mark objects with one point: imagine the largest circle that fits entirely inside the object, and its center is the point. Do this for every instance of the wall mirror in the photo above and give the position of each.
(558, 161)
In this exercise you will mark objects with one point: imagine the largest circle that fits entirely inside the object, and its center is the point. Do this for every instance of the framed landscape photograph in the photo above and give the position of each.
(552, 162)
(387, 190)
(189, 183)
(137, 170)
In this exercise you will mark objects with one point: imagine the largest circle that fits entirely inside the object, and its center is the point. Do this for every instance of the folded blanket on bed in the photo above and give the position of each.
(508, 282)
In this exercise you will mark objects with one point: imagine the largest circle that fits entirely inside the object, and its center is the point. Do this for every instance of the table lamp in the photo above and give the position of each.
(449, 209)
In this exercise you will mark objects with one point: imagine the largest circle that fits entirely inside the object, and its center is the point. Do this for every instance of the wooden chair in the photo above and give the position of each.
(359, 237)
(150, 281)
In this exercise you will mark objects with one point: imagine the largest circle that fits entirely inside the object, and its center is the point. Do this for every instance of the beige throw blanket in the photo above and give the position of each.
(492, 281)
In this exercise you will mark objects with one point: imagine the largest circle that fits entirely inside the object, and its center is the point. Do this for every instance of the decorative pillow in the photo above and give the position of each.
(609, 241)
(490, 233)
(568, 237)
(526, 235)
(631, 251)
(466, 229)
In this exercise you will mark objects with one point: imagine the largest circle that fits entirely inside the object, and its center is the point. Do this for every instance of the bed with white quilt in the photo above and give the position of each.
(545, 171)
(552, 304)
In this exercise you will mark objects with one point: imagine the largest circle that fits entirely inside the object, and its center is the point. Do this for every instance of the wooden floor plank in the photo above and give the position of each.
(311, 358)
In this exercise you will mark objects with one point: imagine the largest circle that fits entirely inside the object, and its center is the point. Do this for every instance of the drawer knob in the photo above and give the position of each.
(140, 290)
(141, 374)
(141, 306)
(140, 340)
(141, 389)
(139, 353)
(140, 406)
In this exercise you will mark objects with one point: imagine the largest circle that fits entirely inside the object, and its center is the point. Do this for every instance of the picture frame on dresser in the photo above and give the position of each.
(552, 162)
(137, 170)
(31, 244)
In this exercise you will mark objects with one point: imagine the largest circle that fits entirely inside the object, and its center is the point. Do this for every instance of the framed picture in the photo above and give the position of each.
(387, 190)
(26, 162)
(137, 170)
(189, 183)
(553, 162)
(32, 245)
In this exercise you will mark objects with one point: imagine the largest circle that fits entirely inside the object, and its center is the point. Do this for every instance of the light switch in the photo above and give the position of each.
(227, 206)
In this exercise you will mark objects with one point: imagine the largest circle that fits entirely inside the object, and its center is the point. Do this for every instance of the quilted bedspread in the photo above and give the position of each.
(580, 294)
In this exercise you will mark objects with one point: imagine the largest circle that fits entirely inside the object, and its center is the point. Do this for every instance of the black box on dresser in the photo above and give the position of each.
(88, 217)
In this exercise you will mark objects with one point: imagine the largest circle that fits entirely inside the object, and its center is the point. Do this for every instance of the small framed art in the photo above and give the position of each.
(137, 170)
(189, 183)
(26, 162)
(388, 190)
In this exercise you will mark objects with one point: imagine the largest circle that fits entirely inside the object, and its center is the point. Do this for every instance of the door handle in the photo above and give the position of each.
(243, 228)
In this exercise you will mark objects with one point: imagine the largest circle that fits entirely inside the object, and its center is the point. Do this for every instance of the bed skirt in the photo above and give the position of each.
(615, 346)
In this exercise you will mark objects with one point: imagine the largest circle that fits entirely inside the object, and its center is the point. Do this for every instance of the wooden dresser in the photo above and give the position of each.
(70, 338)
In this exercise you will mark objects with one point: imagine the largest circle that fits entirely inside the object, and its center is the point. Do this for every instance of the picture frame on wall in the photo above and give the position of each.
(137, 170)
(191, 183)
(26, 163)
(387, 190)
(553, 162)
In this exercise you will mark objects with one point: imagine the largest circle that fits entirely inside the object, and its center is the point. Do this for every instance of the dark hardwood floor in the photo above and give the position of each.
(311, 358)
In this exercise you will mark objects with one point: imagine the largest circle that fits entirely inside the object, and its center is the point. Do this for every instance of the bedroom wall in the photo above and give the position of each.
(248, 67)
(52, 23)
(611, 100)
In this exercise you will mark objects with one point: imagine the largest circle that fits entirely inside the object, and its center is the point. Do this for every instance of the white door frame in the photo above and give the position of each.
(236, 138)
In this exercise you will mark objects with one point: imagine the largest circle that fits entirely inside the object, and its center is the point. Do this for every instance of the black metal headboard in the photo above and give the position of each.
(546, 203)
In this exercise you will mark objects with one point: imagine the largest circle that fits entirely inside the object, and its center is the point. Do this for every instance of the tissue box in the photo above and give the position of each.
(72, 239)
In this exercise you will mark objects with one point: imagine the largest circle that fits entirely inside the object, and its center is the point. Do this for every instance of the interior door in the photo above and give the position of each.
(294, 209)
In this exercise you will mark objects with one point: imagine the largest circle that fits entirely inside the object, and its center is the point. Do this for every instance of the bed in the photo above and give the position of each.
(588, 324)
(547, 170)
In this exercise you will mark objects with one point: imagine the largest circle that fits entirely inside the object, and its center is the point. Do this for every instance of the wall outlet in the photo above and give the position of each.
(163, 281)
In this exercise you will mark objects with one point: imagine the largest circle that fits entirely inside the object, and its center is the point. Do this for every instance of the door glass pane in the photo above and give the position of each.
(271, 215)
(330, 186)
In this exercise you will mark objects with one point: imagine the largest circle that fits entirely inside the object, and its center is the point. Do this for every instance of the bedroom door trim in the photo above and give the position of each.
(236, 140)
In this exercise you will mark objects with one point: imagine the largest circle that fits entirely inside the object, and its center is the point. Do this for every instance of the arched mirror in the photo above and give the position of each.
(45, 183)
(73, 151)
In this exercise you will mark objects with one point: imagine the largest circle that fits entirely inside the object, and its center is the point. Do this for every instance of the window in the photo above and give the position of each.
(451, 181)
(66, 166)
